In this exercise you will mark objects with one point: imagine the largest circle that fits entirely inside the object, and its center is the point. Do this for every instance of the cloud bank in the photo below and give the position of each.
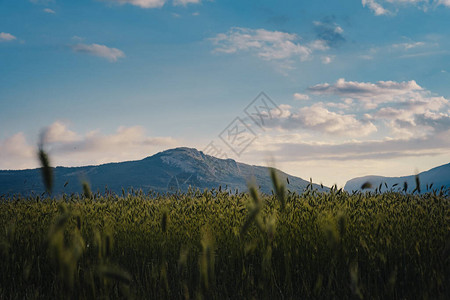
(69, 148)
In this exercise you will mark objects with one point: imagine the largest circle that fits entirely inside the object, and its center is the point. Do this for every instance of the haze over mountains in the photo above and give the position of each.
(167, 171)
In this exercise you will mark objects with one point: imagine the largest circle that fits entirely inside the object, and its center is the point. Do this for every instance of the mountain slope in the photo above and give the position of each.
(439, 177)
(170, 170)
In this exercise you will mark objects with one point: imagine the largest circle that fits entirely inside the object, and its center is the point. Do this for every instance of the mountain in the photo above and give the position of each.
(170, 170)
(437, 177)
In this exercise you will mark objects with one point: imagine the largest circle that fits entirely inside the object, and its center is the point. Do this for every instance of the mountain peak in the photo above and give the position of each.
(172, 169)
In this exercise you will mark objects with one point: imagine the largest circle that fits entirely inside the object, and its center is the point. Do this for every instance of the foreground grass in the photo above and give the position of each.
(216, 245)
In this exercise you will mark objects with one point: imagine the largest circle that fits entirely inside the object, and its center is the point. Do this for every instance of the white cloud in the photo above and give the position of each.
(405, 108)
(407, 46)
(69, 148)
(111, 54)
(320, 45)
(16, 153)
(377, 9)
(153, 3)
(267, 45)
(338, 29)
(327, 59)
(141, 3)
(49, 11)
(6, 37)
(41, 2)
(318, 118)
(186, 2)
(298, 96)
(59, 133)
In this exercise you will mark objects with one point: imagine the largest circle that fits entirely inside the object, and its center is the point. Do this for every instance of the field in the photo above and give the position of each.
(216, 244)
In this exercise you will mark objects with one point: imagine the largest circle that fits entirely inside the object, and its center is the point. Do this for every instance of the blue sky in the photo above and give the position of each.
(359, 87)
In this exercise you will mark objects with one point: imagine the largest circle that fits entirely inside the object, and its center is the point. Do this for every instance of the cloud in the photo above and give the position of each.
(111, 54)
(444, 2)
(416, 117)
(370, 93)
(153, 3)
(407, 46)
(6, 37)
(49, 11)
(69, 148)
(267, 45)
(280, 47)
(298, 96)
(405, 108)
(59, 133)
(41, 2)
(328, 31)
(359, 150)
(319, 119)
(379, 10)
(186, 2)
(140, 3)
(327, 59)
(16, 153)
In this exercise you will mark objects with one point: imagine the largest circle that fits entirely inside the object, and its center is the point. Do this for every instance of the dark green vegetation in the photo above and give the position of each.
(216, 244)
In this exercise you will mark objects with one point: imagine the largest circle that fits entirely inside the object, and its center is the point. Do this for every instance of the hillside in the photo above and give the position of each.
(432, 179)
(170, 170)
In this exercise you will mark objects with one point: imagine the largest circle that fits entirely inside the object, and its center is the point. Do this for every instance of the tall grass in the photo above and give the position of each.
(218, 244)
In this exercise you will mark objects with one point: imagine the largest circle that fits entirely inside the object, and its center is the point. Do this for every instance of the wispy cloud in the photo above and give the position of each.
(49, 11)
(6, 37)
(379, 9)
(329, 31)
(444, 2)
(268, 45)
(186, 2)
(281, 47)
(140, 3)
(327, 59)
(407, 46)
(153, 3)
(298, 96)
(364, 150)
(111, 54)
(371, 94)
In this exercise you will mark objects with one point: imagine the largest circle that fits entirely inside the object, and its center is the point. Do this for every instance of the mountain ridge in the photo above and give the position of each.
(437, 177)
(166, 171)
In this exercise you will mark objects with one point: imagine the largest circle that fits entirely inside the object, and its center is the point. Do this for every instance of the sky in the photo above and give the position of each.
(325, 89)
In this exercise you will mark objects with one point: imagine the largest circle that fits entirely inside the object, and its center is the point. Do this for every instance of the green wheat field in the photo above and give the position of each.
(221, 245)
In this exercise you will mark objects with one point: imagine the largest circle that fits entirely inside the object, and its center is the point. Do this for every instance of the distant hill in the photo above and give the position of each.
(433, 179)
(170, 170)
